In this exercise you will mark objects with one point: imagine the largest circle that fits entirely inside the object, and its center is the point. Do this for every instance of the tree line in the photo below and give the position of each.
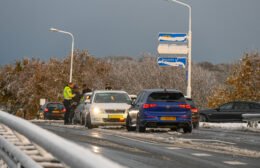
(25, 82)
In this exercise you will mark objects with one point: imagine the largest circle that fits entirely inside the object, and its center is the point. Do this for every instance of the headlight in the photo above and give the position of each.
(96, 110)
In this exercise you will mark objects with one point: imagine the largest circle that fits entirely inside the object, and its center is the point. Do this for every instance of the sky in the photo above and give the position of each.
(222, 30)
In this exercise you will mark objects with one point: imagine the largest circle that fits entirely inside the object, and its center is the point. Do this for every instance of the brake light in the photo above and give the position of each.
(185, 116)
(149, 105)
(184, 106)
(194, 110)
(46, 109)
(64, 110)
(149, 116)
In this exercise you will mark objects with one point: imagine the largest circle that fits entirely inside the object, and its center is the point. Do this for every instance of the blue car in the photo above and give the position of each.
(159, 108)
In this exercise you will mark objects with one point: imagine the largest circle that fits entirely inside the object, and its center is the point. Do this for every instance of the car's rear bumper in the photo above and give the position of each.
(158, 123)
(55, 115)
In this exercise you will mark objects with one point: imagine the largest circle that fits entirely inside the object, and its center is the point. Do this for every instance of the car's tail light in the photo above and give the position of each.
(46, 109)
(149, 105)
(185, 116)
(184, 106)
(195, 120)
(194, 110)
(149, 116)
(64, 110)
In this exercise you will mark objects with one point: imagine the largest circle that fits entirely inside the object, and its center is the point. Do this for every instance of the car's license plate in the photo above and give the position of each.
(115, 116)
(55, 111)
(168, 118)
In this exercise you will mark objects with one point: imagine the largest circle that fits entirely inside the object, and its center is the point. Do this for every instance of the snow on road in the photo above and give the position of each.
(230, 126)
(175, 138)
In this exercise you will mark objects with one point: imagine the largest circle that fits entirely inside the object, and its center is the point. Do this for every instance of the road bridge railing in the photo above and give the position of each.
(69, 153)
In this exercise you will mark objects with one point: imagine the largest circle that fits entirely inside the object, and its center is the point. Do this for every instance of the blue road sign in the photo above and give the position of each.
(172, 61)
(172, 37)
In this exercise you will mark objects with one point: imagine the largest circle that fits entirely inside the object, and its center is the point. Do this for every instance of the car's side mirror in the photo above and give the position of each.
(217, 109)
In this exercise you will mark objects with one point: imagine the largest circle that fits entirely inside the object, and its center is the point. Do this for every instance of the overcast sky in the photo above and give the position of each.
(222, 29)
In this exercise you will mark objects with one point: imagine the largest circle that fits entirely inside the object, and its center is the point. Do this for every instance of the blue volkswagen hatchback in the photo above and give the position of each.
(159, 108)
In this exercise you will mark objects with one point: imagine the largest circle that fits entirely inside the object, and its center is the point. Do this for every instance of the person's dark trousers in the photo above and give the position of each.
(67, 113)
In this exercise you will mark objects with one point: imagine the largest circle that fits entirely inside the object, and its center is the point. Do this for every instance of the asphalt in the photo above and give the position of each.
(138, 150)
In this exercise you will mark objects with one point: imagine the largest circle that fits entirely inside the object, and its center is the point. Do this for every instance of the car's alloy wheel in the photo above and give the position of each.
(88, 122)
(139, 128)
(128, 127)
(203, 118)
(187, 129)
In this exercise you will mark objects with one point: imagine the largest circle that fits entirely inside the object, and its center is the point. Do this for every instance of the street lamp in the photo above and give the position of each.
(189, 40)
(72, 48)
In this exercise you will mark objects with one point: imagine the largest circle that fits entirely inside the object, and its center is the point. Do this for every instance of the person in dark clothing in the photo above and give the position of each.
(85, 89)
(67, 93)
(108, 87)
(75, 101)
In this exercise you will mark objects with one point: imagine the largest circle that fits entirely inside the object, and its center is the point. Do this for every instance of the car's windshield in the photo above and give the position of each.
(112, 98)
(166, 97)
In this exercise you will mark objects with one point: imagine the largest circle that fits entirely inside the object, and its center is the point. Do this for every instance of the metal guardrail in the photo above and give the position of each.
(251, 119)
(67, 152)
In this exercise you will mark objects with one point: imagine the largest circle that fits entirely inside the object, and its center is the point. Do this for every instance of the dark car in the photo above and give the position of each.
(53, 110)
(229, 112)
(194, 112)
(156, 108)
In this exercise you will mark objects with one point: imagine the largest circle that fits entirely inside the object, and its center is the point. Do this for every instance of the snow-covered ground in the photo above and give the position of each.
(230, 126)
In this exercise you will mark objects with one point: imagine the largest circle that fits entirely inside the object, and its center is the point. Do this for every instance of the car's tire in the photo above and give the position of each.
(139, 128)
(187, 129)
(88, 122)
(203, 118)
(128, 127)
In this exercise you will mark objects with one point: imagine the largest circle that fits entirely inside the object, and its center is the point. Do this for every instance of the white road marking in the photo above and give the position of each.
(213, 140)
(173, 148)
(200, 154)
(235, 163)
(137, 140)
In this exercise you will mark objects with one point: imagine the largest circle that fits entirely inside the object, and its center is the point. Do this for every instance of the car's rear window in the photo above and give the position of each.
(55, 106)
(166, 97)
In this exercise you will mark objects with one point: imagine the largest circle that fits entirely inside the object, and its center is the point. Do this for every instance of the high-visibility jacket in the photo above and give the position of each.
(67, 93)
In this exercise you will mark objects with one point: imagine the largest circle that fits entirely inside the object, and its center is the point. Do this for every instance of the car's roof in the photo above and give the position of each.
(109, 91)
(162, 90)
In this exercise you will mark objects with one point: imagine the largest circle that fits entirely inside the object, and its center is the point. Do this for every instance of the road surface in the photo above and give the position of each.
(203, 148)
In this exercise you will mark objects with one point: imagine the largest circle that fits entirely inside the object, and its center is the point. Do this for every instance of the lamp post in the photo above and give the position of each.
(72, 48)
(189, 43)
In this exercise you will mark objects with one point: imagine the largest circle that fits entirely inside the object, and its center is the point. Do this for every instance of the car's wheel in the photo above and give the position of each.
(187, 129)
(45, 117)
(88, 122)
(128, 127)
(203, 118)
(139, 127)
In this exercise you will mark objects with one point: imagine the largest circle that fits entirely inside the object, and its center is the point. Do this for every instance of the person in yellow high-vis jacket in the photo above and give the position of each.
(67, 93)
